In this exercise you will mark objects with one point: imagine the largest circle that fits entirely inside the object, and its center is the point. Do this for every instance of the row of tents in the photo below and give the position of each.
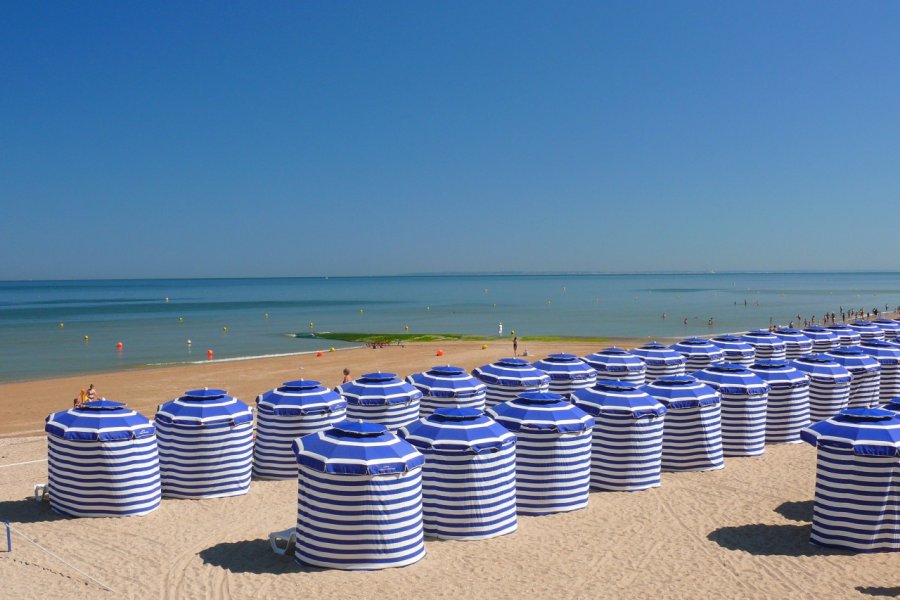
(551, 432)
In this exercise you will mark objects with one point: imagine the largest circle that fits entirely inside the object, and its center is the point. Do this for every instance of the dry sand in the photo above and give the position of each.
(740, 532)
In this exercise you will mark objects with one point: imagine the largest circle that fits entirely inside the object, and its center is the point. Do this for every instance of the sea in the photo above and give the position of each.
(54, 328)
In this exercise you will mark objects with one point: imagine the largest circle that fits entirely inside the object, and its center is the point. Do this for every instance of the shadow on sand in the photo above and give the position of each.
(27, 510)
(251, 556)
(771, 540)
(887, 592)
(796, 511)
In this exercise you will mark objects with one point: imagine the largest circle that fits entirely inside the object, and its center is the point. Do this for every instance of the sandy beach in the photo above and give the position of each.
(740, 532)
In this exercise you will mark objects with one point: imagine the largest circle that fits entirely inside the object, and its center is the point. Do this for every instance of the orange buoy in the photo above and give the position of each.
(440, 353)
(209, 353)
(119, 346)
(319, 354)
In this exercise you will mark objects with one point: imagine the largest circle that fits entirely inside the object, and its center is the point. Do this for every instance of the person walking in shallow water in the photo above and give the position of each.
(515, 346)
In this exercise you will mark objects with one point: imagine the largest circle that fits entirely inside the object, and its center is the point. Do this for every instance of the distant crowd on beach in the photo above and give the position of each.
(829, 318)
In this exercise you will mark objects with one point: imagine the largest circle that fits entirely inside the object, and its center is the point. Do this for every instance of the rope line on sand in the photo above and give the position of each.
(61, 559)
(27, 462)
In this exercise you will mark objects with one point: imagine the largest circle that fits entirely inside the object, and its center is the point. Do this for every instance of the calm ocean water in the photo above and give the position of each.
(154, 318)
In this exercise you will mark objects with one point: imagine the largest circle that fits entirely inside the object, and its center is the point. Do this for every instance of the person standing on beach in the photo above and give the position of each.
(515, 346)
(500, 328)
(347, 378)
(91, 393)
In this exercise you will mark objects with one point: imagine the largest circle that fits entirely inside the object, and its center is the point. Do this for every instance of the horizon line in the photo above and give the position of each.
(468, 274)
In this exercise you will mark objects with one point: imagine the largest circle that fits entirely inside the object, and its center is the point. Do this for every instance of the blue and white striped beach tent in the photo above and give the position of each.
(856, 500)
(295, 409)
(661, 361)
(823, 339)
(699, 353)
(628, 434)
(867, 330)
(866, 375)
(567, 373)
(767, 345)
(744, 402)
(205, 445)
(447, 387)
(381, 398)
(737, 351)
(509, 377)
(846, 335)
(469, 477)
(553, 452)
(893, 405)
(890, 327)
(796, 343)
(888, 356)
(829, 385)
(616, 363)
(359, 498)
(102, 461)
(692, 433)
(787, 411)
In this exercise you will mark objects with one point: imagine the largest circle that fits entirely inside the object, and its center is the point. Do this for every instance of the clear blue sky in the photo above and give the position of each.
(311, 138)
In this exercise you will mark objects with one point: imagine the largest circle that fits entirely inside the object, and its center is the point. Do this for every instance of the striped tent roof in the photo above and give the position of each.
(565, 367)
(356, 448)
(793, 337)
(615, 360)
(542, 412)
(733, 346)
(763, 337)
(853, 357)
(99, 420)
(816, 333)
(846, 334)
(656, 354)
(822, 365)
(867, 330)
(893, 405)
(695, 346)
(447, 382)
(729, 378)
(885, 353)
(301, 397)
(378, 389)
(864, 431)
(512, 372)
(779, 373)
(204, 407)
(458, 429)
(891, 327)
(611, 396)
(682, 391)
